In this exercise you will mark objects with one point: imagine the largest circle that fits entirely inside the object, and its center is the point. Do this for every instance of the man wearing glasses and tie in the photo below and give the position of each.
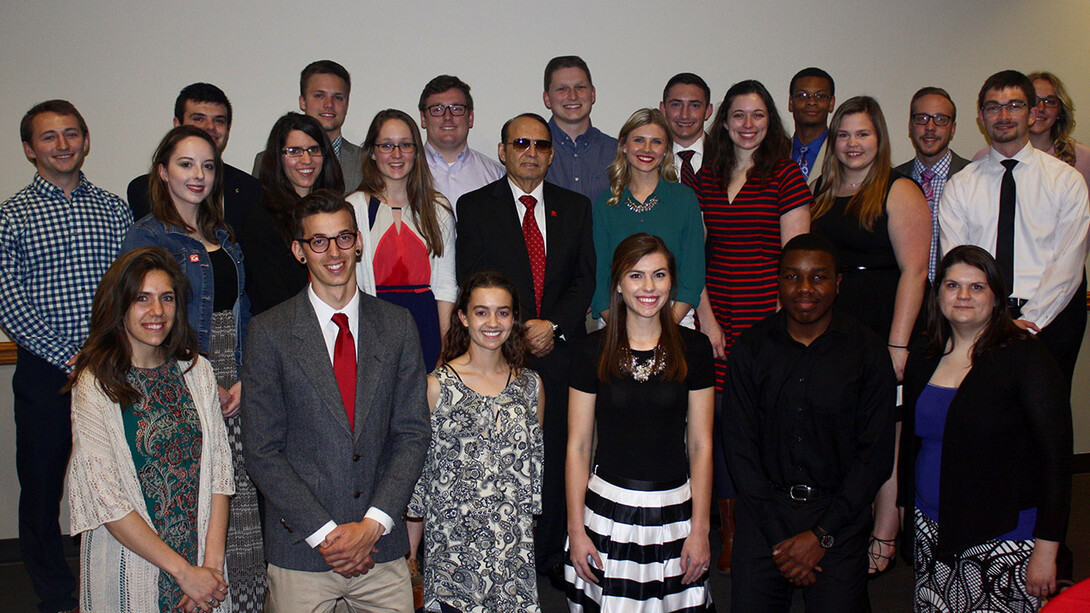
(812, 99)
(446, 114)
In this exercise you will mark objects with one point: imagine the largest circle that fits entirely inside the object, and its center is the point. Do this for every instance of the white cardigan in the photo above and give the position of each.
(443, 282)
(103, 487)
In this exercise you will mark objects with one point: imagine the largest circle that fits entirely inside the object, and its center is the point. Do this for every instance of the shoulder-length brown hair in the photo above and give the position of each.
(1062, 130)
(625, 257)
(619, 174)
(279, 195)
(869, 202)
(422, 194)
(999, 329)
(210, 211)
(107, 354)
(721, 157)
(456, 342)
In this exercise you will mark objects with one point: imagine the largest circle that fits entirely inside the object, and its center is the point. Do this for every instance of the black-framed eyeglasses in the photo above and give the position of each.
(407, 147)
(804, 97)
(438, 110)
(522, 144)
(315, 151)
(940, 119)
(320, 244)
(1051, 102)
(1014, 107)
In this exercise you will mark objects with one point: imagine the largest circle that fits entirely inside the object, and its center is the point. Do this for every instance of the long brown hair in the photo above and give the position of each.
(210, 211)
(619, 174)
(422, 194)
(999, 329)
(625, 257)
(869, 202)
(456, 342)
(1062, 142)
(722, 159)
(107, 354)
(279, 196)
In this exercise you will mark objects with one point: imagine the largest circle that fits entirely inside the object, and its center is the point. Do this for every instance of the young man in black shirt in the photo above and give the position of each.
(808, 432)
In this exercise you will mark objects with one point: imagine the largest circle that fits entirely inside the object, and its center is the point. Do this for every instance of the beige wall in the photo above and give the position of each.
(122, 64)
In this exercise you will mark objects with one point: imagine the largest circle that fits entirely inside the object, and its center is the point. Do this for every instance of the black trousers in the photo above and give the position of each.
(552, 525)
(1063, 336)
(43, 442)
(758, 587)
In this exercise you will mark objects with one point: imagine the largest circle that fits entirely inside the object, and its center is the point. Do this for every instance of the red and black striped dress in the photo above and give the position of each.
(744, 246)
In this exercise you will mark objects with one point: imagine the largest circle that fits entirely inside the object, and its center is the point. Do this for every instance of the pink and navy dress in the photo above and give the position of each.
(407, 275)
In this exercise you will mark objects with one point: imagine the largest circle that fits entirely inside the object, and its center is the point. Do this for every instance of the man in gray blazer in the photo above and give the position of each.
(324, 87)
(932, 121)
(334, 429)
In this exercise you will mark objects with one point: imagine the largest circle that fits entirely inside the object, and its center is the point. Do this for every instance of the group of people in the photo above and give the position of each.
(233, 370)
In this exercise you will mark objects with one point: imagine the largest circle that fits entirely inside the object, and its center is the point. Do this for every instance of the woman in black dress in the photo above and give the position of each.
(646, 383)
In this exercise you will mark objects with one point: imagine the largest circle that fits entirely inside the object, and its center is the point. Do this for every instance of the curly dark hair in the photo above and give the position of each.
(515, 348)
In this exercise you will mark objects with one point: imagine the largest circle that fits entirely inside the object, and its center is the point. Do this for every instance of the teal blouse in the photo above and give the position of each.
(676, 219)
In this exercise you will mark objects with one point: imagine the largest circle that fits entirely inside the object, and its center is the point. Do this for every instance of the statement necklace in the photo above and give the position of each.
(642, 370)
(647, 205)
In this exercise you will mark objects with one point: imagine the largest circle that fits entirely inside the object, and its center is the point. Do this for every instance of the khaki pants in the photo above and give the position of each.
(385, 588)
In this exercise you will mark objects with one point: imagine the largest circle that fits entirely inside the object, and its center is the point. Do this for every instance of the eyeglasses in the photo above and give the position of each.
(522, 144)
(940, 119)
(315, 151)
(406, 147)
(1014, 107)
(805, 97)
(320, 244)
(1051, 102)
(438, 110)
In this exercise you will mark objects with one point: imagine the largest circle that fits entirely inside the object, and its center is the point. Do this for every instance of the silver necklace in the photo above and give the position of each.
(642, 370)
(647, 205)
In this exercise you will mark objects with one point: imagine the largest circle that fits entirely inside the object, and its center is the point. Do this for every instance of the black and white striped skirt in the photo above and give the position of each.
(639, 534)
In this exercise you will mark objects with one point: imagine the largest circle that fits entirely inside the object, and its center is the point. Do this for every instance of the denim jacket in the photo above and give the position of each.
(196, 265)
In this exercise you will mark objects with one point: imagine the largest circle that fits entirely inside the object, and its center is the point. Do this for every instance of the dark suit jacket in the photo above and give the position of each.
(490, 237)
(1006, 446)
(240, 190)
(956, 164)
(298, 447)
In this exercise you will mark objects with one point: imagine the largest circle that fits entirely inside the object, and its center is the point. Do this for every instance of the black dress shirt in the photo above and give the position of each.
(820, 415)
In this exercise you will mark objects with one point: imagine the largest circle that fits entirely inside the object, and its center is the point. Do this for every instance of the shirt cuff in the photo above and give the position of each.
(381, 517)
(319, 535)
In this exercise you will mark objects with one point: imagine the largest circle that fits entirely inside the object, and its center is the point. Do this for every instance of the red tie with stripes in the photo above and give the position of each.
(535, 247)
(344, 366)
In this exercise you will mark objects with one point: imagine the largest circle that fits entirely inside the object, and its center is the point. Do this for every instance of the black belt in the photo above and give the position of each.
(802, 493)
(639, 484)
(1016, 303)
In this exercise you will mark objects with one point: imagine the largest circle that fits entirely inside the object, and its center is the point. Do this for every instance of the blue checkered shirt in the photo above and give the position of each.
(938, 182)
(53, 252)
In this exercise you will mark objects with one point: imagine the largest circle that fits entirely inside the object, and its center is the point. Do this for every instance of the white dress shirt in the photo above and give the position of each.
(329, 335)
(539, 208)
(1051, 227)
(698, 155)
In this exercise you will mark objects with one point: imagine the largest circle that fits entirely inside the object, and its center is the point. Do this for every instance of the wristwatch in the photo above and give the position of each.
(825, 539)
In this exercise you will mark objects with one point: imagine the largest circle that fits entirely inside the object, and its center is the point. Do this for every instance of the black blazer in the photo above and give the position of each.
(956, 163)
(490, 237)
(1006, 447)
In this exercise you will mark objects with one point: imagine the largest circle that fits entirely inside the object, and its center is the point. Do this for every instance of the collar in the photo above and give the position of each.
(1024, 155)
(538, 193)
(697, 146)
(813, 145)
(587, 137)
(838, 325)
(941, 168)
(435, 156)
(46, 188)
(325, 312)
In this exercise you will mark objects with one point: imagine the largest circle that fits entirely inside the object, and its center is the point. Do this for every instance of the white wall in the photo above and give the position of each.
(122, 64)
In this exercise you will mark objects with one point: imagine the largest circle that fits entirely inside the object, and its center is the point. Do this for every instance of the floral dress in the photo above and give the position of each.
(479, 490)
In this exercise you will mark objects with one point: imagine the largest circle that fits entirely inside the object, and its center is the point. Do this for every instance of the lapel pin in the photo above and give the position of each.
(193, 257)
(552, 213)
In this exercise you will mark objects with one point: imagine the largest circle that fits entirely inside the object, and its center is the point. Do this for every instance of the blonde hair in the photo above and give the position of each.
(869, 203)
(619, 175)
(1062, 142)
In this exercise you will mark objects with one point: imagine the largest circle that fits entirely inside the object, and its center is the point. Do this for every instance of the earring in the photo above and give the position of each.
(302, 259)
(359, 252)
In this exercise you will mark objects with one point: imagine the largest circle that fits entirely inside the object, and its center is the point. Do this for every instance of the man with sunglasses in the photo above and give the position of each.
(540, 236)
(812, 99)
(446, 114)
(324, 87)
(335, 427)
(1031, 211)
(932, 121)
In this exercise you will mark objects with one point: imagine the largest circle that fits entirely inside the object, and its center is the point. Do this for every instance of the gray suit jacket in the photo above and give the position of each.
(298, 447)
(956, 163)
(351, 165)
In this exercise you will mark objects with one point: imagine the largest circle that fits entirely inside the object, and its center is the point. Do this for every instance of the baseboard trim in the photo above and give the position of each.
(9, 549)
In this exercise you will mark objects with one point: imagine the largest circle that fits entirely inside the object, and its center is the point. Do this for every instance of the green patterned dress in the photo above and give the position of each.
(164, 434)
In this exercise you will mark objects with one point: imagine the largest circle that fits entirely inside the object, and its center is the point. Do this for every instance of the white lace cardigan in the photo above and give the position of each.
(103, 487)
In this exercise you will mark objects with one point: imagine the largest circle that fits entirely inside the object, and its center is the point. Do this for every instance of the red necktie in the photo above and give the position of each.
(535, 248)
(688, 174)
(344, 366)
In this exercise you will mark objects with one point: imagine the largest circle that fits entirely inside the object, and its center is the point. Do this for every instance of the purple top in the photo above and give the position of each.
(931, 410)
